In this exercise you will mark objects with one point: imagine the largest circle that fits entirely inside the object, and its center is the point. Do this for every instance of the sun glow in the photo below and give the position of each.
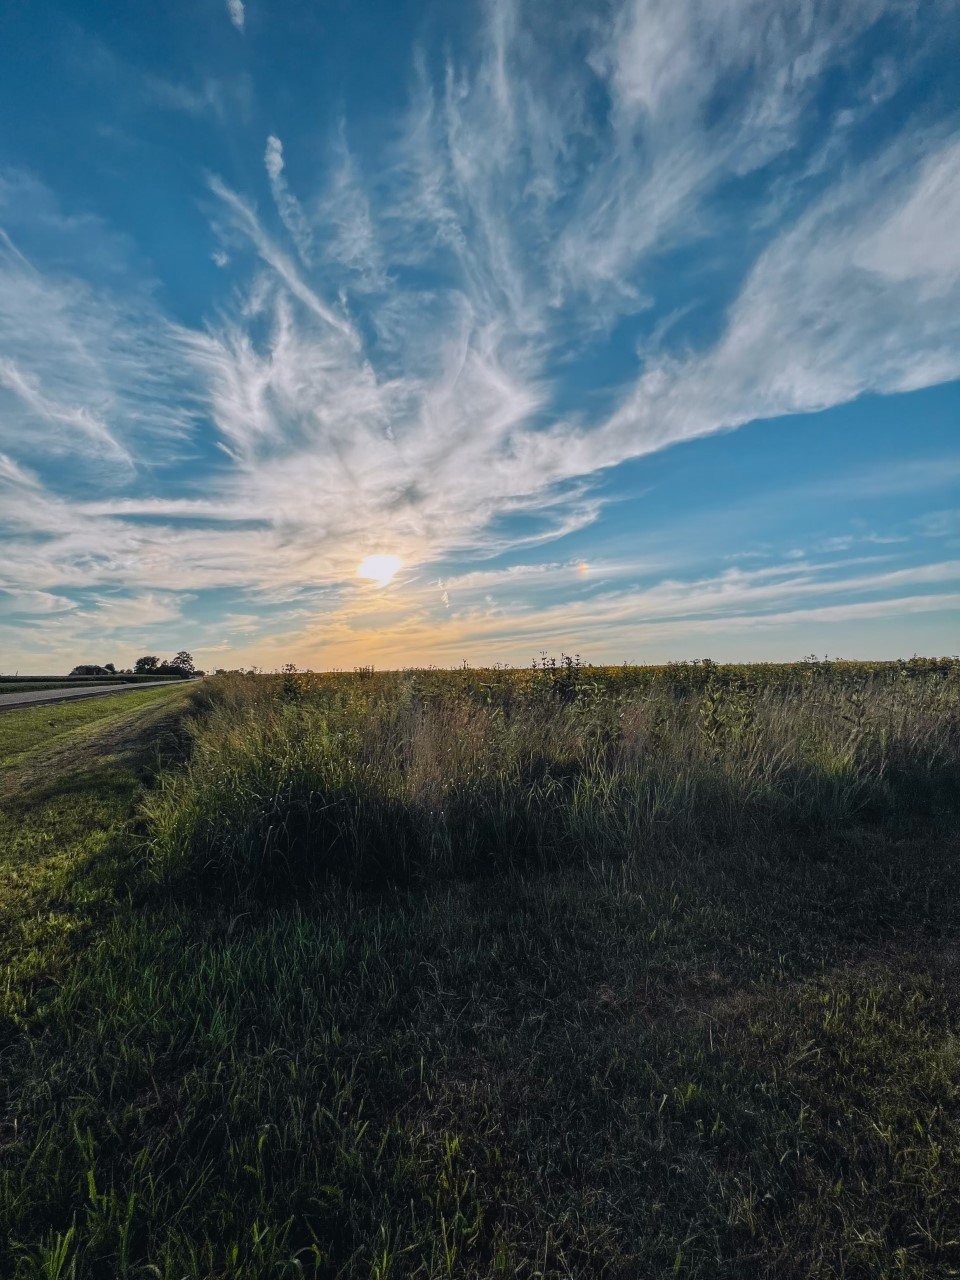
(379, 569)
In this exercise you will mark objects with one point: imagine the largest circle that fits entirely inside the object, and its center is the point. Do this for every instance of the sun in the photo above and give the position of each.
(379, 569)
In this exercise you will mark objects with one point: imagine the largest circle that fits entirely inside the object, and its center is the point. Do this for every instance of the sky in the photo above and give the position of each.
(401, 333)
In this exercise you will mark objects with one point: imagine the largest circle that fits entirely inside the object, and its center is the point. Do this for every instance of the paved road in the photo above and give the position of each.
(10, 701)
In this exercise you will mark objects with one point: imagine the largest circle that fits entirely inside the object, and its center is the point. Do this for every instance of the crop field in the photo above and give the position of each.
(565, 972)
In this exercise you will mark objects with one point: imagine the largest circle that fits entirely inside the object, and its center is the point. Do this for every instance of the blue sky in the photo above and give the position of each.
(630, 329)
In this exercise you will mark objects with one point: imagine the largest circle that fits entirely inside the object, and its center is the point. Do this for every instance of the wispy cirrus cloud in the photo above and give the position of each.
(414, 353)
(288, 206)
(344, 215)
(246, 222)
(64, 423)
(614, 623)
(92, 374)
(848, 298)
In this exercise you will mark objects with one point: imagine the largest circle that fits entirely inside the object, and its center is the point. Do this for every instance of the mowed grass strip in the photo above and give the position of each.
(30, 730)
(70, 781)
(444, 975)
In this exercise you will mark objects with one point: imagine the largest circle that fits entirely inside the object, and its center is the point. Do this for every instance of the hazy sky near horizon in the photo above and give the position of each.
(629, 329)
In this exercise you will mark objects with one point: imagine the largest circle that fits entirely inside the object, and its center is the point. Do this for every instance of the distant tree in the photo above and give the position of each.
(149, 663)
(184, 662)
(108, 666)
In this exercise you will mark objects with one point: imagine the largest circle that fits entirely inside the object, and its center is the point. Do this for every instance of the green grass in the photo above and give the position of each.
(29, 729)
(70, 778)
(572, 973)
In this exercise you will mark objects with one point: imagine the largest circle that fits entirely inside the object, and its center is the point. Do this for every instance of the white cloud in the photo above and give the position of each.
(93, 373)
(350, 236)
(128, 613)
(64, 423)
(701, 91)
(237, 12)
(288, 206)
(35, 602)
(815, 325)
(247, 222)
(918, 242)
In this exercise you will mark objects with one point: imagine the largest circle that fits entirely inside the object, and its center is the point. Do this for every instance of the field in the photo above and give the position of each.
(576, 971)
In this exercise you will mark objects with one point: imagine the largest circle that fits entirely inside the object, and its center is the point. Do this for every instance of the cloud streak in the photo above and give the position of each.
(288, 206)
(673, 615)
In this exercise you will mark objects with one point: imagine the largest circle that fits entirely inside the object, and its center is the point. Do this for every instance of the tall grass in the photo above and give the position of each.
(421, 775)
